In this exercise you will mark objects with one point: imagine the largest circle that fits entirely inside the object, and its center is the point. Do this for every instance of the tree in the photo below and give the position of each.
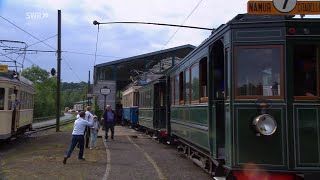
(35, 74)
(46, 88)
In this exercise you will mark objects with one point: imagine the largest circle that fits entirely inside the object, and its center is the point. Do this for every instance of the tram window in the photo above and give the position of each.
(306, 61)
(187, 86)
(195, 83)
(228, 72)
(2, 93)
(258, 72)
(181, 98)
(172, 91)
(9, 99)
(176, 89)
(203, 80)
(136, 99)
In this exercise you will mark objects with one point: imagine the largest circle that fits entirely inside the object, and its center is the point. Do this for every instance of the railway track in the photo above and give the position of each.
(47, 127)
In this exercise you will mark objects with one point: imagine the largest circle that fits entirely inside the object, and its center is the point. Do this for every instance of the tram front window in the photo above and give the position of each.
(306, 60)
(258, 72)
(1, 98)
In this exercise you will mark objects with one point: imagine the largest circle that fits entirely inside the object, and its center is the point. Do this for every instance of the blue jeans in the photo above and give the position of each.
(94, 136)
(75, 140)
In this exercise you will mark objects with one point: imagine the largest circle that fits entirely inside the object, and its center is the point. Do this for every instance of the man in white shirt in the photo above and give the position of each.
(78, 136)
(88, 117)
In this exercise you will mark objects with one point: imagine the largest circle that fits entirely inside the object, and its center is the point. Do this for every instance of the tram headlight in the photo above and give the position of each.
(265, 124)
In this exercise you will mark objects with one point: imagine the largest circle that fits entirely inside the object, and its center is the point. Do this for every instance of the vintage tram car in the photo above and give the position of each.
(152, 109)
(130, 103)
(246, 102)
(16, 104)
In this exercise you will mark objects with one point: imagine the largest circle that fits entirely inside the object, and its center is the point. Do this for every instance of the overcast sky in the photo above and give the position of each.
(115, 41)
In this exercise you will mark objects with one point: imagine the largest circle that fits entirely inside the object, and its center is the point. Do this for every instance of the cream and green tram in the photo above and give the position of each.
(16, 105)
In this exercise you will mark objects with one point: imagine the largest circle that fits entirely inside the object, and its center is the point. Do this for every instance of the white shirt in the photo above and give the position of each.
(80, 125)
(88, 113)
(78, 116)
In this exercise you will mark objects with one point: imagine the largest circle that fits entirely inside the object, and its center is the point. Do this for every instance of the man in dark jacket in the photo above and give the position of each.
(109, 117)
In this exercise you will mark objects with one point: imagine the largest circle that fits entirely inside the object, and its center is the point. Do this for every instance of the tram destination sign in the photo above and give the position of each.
(276, 7)
(3, 68)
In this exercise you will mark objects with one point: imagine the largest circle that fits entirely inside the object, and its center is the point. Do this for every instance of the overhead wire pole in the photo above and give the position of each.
(152, 23)
(59, 72)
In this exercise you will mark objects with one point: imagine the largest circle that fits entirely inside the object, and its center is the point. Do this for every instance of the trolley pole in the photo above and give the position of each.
(59, 72)
(88, 98)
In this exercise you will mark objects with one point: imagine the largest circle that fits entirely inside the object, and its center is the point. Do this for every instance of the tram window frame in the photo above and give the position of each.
(281, 72)
(181, 88)
(203, 79)
(195, 100)
(2, 98)
(187, 86)
(317, 73)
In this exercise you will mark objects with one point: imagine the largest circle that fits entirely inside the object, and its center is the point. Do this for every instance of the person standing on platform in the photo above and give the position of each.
(94, 133)
(109, 121)
(88, 117)
(78, 136)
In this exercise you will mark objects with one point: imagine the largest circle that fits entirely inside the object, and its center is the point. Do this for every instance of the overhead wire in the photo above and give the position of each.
(182, 24)
(41, 42)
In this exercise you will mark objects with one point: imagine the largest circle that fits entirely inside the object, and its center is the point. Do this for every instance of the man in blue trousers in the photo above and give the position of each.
(109, 121)
(78, 136)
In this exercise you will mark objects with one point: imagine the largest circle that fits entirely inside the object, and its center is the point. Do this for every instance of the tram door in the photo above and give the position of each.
(217, 58)
(159, 106)
(15, 110)
(305, 59)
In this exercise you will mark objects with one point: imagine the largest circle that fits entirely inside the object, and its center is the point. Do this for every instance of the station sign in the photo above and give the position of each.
(283, 7)
(3, 68)
(105, 91)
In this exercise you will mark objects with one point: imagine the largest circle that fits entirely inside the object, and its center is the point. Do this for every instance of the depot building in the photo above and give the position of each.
(116, 75)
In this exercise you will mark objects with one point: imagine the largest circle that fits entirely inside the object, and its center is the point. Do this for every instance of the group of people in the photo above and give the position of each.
(85, 123)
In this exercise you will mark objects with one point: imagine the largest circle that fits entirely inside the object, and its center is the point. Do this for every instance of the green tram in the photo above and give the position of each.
(246, 102)
(152, 109)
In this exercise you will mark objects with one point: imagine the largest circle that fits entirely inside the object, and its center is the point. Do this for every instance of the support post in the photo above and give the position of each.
(88, 98)
(59, 72)
(105, 101)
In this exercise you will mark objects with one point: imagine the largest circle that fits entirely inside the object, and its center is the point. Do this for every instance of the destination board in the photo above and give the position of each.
(283, 7)
(3, 68)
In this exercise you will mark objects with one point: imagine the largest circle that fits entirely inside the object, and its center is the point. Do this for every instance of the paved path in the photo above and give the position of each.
(53, 121)
(134, 155)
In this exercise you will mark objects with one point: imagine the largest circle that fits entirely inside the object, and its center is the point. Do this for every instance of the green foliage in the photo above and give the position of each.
(35, 74)
(74, 86)
(45, 92)
(97, 111)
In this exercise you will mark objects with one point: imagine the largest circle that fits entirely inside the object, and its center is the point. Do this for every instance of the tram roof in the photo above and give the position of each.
(143, 56)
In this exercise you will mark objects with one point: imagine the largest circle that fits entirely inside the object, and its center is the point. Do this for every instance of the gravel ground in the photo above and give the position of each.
(132, 155)
(40, 157)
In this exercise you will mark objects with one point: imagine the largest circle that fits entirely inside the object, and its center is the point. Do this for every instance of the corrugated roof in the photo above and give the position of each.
(146, 55)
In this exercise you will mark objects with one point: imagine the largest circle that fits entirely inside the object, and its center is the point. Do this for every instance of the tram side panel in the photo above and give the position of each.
(146, 107)
(189, 118)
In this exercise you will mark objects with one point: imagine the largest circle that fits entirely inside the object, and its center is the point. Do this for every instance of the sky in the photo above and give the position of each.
(38, 21)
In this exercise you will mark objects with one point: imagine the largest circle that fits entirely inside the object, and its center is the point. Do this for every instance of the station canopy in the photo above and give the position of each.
(140, 67)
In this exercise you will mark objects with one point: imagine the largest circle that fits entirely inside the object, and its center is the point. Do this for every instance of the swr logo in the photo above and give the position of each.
(36, 15)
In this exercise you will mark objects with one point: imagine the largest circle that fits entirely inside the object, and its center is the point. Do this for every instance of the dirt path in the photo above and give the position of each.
(40, 157)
